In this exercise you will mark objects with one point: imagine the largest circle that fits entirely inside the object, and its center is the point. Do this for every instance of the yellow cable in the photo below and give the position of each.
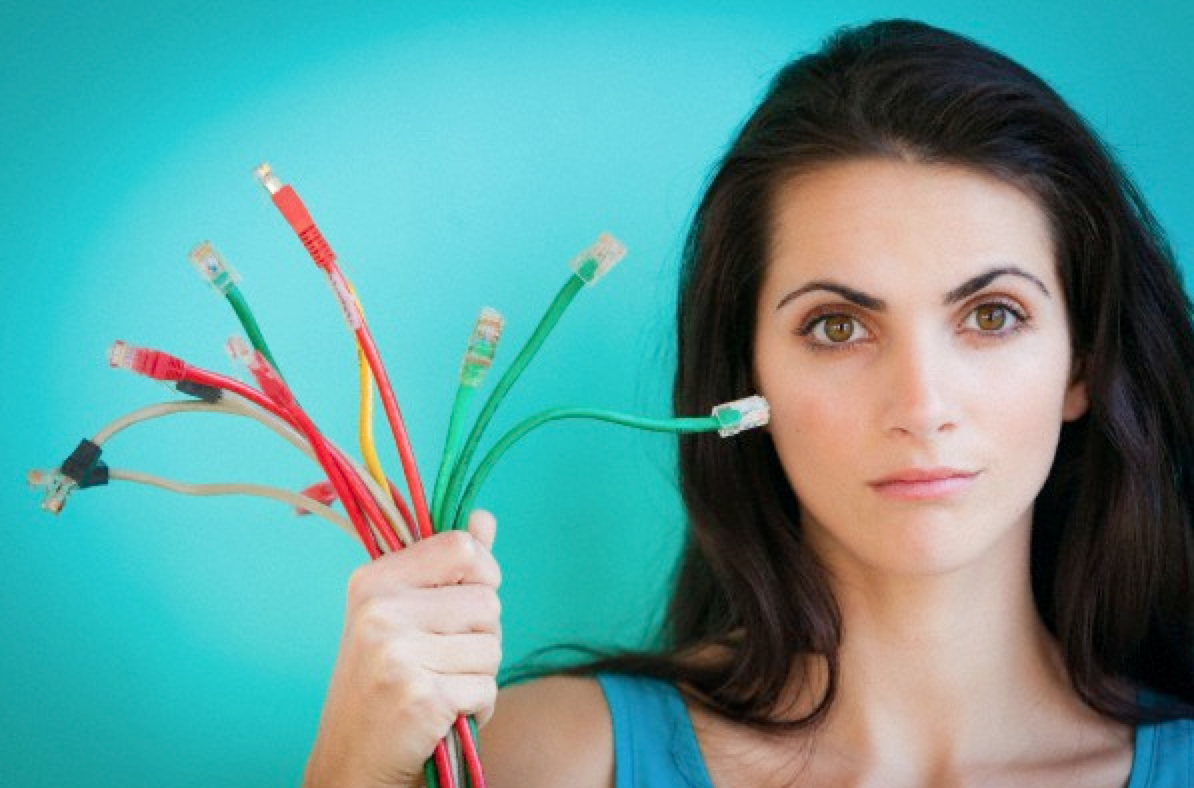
(365, 422)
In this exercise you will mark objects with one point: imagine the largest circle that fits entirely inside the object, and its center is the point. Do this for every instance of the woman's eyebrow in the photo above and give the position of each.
(977, 283)
(867, 301)
(848, 293)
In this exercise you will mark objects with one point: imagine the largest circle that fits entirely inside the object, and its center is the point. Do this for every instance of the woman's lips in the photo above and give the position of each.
(924, 484)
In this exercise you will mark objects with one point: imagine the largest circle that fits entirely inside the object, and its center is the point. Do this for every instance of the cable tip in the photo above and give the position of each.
(741, 415)
(121, 355)
(144, 361)
(596, 261)
(238, 350)
(267, 377)
(482, 347)
(265, 175)
(213, 268)
(57, 488)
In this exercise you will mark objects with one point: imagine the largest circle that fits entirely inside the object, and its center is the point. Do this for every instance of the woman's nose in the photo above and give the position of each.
(920, 387)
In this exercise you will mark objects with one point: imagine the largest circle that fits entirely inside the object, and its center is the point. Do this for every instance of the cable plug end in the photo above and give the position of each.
(265, 176)
(596, 261)
(143, 361)
(262, 371)
(213, 268)
(741, 415)
(58, 487)
(82, 469)
(482, 347)
(291, 206)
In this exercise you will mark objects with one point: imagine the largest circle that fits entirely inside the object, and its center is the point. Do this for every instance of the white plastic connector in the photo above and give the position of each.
(263, 372)
(595, 262)
(265, 175)
(211, 266)
(482, 347)
(57, 485)
(240, 352)
(741, 415)
(122, 355)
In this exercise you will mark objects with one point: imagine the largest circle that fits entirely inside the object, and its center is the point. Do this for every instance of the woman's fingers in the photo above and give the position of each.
(422, 645)
(446, 559)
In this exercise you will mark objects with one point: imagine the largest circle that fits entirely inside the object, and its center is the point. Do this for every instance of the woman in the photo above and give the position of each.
(962, 554)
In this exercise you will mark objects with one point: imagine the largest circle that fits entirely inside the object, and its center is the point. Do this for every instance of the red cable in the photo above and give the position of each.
(351, 495)
(277, 389)
(295, 212)
(476, 774)
(444, 766)
(163, 366)
(354, 480)
(403, 509)
(292, 208)
(349, 488)
(324, 454)
(398, 427)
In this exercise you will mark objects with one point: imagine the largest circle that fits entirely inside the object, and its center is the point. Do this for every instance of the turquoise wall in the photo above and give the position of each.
(456, 155)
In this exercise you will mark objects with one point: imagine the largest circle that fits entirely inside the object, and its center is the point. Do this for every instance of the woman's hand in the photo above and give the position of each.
(421, 645)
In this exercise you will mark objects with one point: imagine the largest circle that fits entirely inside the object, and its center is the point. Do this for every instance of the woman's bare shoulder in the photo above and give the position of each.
(550, 732)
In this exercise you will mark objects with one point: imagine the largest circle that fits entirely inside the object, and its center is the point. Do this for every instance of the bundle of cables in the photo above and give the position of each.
(375, 510)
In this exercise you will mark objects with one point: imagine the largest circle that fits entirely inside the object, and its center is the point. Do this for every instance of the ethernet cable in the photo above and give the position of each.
(214, 269)
(232, 404)
(216, 272)
(297, 500)
(291, 206)
(727, 420)
(277, 399)
(588, 268)
(365, 425)
(287, 201)
(349, 488)
(51, 480)
(276, 390)
(375, 509)
(478, 358)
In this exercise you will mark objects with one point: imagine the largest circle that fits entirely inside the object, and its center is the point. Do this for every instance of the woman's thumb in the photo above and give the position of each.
(483, 526)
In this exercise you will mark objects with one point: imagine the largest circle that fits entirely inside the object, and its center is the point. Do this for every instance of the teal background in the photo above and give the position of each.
(455, 155)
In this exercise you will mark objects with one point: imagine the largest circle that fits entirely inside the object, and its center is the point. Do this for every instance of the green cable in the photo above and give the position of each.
(548, 322)
(683, 425)
(456, 425)
(430, 775)
(249, 324)
(214, 270)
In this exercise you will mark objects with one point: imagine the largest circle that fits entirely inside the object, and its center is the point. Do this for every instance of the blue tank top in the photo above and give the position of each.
(655, 745)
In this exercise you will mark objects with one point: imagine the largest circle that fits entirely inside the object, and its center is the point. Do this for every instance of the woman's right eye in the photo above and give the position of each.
(835, 329)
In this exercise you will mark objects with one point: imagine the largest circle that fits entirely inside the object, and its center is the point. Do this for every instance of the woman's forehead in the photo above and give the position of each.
(894, 222)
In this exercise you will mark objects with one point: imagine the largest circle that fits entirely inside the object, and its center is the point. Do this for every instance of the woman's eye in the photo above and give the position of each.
(994, 318)
(835, 329)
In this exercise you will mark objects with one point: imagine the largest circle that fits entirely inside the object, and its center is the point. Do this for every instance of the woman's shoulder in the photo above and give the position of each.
(549, 732)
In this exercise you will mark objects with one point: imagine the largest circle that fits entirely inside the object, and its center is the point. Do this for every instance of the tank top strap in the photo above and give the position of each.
(655, 745)
(1164, 755)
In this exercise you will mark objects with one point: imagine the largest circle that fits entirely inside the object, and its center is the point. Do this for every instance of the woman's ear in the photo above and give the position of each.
(1077, 400)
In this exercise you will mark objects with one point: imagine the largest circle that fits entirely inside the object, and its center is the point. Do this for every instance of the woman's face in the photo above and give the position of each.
(913, 344)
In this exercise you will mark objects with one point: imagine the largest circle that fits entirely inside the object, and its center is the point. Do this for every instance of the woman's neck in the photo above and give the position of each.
(945, 673)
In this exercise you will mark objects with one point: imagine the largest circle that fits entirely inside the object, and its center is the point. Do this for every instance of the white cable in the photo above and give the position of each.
(234, 404)
(456, 757)
(297, 500)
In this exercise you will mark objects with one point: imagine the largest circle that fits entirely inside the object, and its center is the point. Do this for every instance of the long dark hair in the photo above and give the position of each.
(1113, 539)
